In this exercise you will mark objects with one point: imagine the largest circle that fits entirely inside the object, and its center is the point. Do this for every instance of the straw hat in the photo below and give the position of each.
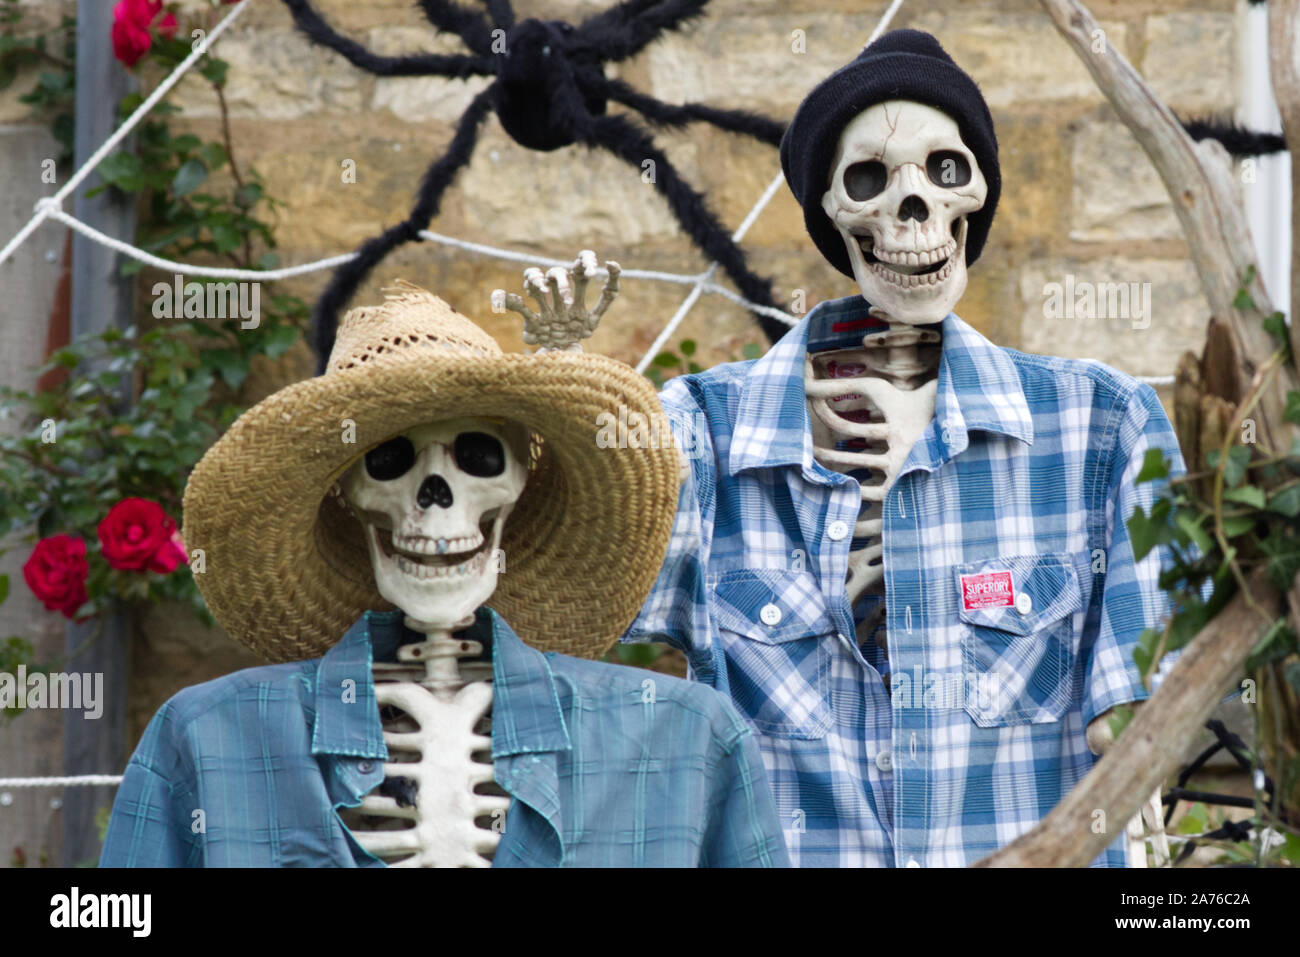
(287, 570)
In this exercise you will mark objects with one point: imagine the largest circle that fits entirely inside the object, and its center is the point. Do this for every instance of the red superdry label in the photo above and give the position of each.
(987, 590)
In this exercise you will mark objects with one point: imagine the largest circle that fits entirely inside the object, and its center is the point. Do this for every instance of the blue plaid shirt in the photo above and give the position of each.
(606, 765)
(1013, 600)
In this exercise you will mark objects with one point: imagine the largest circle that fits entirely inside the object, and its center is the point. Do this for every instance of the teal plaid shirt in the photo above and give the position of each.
(608, 766)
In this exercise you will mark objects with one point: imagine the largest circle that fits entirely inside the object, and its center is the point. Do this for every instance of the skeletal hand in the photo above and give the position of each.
(562, 318)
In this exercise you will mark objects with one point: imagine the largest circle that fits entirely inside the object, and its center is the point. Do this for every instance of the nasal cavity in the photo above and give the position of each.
(913, 207)
(434, 491)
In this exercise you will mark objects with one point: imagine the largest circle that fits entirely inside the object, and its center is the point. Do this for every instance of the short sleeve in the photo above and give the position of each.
(1132, 599)
(144, 829)
(743, 829)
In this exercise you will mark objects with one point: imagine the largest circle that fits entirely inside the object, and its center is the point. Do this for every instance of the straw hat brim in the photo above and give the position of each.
(286, 570)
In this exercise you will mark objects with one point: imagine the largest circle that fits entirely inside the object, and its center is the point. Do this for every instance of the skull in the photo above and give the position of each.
(433, 502)
(902, 185)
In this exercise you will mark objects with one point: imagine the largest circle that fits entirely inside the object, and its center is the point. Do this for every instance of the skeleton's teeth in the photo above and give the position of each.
(416, 570)
(420, 545)
(913, 280)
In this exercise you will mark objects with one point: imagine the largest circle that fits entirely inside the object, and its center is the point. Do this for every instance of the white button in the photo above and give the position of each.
(770, 614)
(885, 761)
(838, 530)
(1024, 604)
(913, 862)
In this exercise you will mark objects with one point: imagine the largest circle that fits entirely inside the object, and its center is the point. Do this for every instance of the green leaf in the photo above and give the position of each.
(213, 155)
(1191, 527)
(1275, 325)
(123, 170)
(1232, 527)
(1141, 533)
(1251, 495)
(1286, 502)
(688, 347)
(1234, 469)
(214, 70)
(1153, 466)
(4, 588)
(189, 177)
(1119, 720)
(226, 238)
(184, 143)
(228, 364)
(751, 350)
(1195, 821)
(1292, 411)
(666, 360)
(279, 340)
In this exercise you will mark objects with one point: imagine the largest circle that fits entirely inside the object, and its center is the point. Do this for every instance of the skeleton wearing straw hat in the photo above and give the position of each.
(902, 549)
(372, 531)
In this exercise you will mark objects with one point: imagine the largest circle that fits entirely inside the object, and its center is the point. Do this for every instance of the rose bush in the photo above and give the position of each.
(132, 21)
(133, 532)
(56, 573)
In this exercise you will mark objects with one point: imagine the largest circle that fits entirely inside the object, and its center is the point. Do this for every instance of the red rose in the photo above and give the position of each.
(170, 555)
(131, 22)
(133, 532)
(56, 573)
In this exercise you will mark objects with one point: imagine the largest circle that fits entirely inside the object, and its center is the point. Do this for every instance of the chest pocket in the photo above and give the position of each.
(1018, 637)
(774, 630)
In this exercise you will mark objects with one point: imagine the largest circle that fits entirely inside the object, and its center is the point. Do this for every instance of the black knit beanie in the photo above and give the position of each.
(901, 65)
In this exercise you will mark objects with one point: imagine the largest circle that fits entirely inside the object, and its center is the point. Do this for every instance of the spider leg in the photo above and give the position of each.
(625, 140)
(734, 121)
(501, 13)
(469, 25)
(435, 182)
(417, 64)
(624, 30)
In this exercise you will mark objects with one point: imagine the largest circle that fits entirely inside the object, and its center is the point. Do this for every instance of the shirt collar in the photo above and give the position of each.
(526, 715)
(347, 716)
(979, 387)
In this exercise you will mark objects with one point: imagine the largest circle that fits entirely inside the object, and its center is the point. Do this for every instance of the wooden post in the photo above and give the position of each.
(100, 298)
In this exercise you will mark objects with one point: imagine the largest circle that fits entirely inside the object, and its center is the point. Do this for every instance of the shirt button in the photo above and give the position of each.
(885, 761)
(838, 530)
(913, 862)
(1024, 604)
(771, 615)
(365, 767)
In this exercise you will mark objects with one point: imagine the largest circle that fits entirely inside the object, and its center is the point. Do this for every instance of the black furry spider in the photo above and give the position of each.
(550, 91)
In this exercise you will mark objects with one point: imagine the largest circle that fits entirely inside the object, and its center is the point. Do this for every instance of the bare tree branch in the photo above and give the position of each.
(1284, 71)
(1204, 196)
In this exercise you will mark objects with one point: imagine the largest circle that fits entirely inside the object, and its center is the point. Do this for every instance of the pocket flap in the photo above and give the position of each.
(771, 605)
(1020, 594)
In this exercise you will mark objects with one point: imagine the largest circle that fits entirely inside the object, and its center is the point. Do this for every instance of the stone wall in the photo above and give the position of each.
(1079, 199)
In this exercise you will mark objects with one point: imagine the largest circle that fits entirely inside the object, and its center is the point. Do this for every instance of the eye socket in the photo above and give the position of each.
(947, 168)
(391, 460)
(480, 454)
(865, 180)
